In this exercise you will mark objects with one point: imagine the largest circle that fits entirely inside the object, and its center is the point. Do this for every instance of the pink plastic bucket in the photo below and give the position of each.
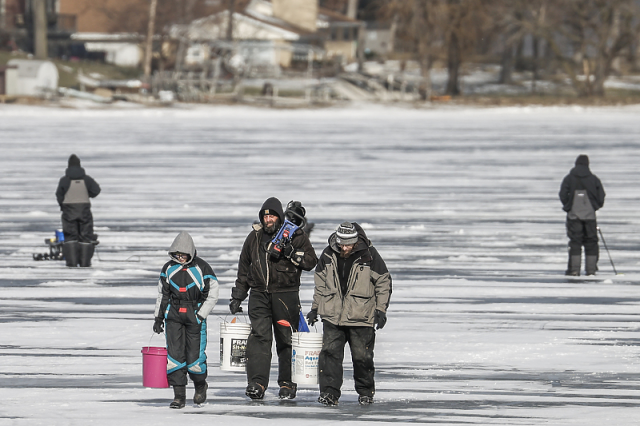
(154, 367)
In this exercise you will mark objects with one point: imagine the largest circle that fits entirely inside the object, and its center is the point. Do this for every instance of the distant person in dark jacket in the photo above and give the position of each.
(274, 281)
(74, 191)
(581, 194)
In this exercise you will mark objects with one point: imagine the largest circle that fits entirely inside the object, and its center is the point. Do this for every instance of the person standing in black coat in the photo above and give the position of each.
(581, 194)
(274, 281)
(74, 191)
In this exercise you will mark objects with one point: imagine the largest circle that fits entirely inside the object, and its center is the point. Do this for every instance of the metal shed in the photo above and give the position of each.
(33, 78)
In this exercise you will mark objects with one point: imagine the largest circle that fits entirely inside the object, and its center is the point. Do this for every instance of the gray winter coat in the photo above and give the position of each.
(369, 285)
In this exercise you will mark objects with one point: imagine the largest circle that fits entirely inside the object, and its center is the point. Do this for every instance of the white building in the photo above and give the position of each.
(123, 50)
(30, 77)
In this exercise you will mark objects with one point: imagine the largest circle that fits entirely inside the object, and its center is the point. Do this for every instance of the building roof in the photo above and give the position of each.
(333, 16)
(256, 22)
(107, 37)
(271, 20)
(214, 27)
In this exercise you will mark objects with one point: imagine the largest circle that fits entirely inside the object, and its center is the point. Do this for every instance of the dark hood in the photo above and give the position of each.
(362, 244)
(274, 206)
(580, 171)
(74, 172)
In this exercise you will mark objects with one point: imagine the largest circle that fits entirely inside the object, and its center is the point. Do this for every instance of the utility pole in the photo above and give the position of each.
(3, 15)
(149, 48)
(352, 9)
(232, 9)
(40, 29)
(352, 12)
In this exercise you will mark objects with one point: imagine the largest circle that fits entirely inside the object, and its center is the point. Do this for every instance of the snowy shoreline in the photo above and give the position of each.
(80, 106)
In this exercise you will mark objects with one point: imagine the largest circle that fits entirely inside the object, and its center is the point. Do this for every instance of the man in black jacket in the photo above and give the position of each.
(74, 191)
(274, 301)
(581, 194)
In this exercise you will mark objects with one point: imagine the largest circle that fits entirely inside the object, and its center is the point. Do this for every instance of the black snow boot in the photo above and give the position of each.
(328, 399)
(180, 397)
(71, 253)
(255, 391)
(201, 392)
(365, 400)
(591, 264)
(288, 390)
(86, 253)
(574, 266)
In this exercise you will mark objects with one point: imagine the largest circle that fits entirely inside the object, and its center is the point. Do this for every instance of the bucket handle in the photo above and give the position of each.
(152, 334)
(243, 316)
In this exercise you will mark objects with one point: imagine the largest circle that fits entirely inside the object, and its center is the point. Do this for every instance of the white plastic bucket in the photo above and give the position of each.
(305, 353)
(233, 346)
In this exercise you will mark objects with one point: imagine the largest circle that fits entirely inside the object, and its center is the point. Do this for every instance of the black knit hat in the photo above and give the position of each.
(74, 160)
(271, 206)
(582, 160)
(346, 234)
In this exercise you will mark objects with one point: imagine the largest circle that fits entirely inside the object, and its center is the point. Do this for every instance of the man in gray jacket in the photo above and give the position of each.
(352, 292)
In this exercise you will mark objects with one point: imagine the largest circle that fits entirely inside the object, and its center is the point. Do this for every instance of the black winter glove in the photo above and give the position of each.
(312, 317)
(158, 326)
(275, 251)
(294, 256)
(234, 306)
(200, 318)
(297, 258)
(288, 250)
(380, 319)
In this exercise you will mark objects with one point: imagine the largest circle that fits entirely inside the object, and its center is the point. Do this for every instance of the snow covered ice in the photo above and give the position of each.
(461, 203)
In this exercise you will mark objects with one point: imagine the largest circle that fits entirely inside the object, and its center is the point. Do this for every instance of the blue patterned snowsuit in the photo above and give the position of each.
(186, 292)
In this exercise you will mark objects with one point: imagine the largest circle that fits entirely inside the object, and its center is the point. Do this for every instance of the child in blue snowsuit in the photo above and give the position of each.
(187, 292)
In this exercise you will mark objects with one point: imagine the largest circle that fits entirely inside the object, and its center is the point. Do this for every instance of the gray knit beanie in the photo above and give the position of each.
(346, 234)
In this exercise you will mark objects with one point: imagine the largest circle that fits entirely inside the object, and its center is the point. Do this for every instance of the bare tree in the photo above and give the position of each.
(465, 24)
(418, 24)
(441, 28)
(588, 35)
(423, 26)
(125, 16)
(517, 20)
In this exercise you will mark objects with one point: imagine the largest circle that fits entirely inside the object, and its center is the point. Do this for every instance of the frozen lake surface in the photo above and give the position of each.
(462, 204)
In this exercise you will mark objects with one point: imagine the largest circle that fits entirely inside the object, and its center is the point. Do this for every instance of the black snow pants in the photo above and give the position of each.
(186, 344)
(582, 233)
(77, 223)
(265, 310)
(361, 342)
